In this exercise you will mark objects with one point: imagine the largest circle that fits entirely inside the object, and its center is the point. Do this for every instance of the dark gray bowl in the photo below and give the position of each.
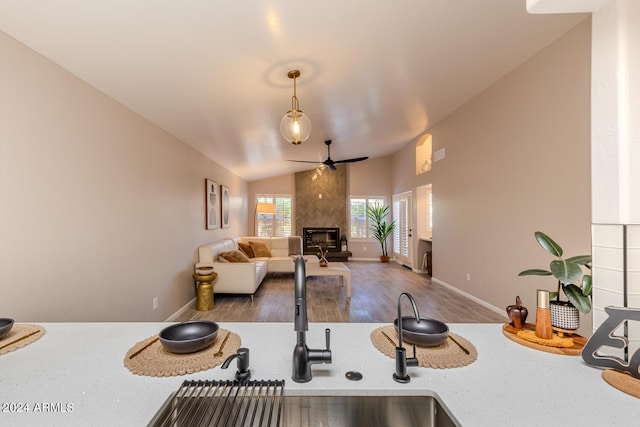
(189, 337)
(5, 326)
(426, 333)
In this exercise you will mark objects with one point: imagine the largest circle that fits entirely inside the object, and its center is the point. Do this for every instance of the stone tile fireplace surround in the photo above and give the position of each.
(321, 199)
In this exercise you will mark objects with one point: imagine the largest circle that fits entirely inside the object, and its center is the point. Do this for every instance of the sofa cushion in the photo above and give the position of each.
(279, 246)
(233, 256)
(246, 248)
(278, 264)
(260, 249)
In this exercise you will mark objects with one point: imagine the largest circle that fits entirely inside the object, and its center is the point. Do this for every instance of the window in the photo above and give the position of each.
(358, 222)
(402, 205)
(277, 224)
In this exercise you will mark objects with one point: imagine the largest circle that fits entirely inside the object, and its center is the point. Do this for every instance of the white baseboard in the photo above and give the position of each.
(471, 297)
(364, 259)
(184, 308)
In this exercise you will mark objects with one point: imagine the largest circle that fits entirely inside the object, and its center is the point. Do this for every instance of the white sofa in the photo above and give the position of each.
(243, 277)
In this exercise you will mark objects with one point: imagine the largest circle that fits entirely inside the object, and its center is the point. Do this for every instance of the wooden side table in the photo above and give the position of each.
(204, 285)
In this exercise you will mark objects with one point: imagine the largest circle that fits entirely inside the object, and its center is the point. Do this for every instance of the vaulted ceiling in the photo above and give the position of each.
(374, 74)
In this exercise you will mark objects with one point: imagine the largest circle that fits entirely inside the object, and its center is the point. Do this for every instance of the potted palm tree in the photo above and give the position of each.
(575, 285)
(380, 228)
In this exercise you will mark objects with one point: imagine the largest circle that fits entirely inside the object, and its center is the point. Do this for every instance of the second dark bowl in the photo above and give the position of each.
(189, 337)
(426, 333)
(5, 326)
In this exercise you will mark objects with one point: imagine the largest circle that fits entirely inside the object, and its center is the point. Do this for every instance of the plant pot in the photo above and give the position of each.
(564, 315)
(384, 258)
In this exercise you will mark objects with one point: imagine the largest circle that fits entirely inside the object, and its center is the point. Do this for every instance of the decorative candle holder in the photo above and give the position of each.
(323, 260)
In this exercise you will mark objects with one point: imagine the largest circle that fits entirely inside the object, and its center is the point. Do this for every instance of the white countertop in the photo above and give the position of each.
(80, 366)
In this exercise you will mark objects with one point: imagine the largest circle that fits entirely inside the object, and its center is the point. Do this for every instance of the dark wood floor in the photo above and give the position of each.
(375, 291)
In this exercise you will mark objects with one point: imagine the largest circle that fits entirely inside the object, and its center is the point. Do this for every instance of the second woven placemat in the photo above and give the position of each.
(150, 358)
(21, 335)
(445, 355)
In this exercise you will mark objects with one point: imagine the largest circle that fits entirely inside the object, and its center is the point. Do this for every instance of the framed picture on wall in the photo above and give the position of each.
(213, 205)
(224, 191)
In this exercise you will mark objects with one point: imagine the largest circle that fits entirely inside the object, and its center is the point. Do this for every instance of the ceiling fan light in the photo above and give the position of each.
(295, 127)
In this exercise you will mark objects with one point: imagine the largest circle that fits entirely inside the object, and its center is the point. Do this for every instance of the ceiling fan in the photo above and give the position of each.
(329, 162)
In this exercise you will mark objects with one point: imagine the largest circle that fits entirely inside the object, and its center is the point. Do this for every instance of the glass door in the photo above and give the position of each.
(402, 234)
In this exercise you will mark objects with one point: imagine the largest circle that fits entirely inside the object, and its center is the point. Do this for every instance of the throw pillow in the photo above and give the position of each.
(260, 249)
(246, 248)
(234, 256)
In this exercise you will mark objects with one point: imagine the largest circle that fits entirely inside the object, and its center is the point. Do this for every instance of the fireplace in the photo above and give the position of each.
(326, 237)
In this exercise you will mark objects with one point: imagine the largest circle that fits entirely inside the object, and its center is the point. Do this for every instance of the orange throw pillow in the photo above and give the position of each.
(260, 249)
(234, 256)
(246, 248)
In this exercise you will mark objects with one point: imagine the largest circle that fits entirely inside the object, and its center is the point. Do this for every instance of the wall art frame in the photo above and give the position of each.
(225, 198)
(212, 205)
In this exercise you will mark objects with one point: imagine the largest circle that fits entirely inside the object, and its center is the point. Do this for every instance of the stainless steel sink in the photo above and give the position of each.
(396, 411)
(266, 404)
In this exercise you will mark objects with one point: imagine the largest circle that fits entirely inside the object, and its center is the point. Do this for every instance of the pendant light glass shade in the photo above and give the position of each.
(295, 126)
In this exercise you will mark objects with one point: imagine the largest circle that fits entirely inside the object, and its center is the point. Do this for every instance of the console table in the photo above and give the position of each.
(338, 256)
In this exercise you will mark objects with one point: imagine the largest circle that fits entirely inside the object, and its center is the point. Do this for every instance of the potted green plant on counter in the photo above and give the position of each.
(572, 281)
(380, 228)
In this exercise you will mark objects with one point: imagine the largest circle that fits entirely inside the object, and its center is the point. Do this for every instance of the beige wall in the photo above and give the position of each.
(101, 210)
(517, 160)
(371, 177)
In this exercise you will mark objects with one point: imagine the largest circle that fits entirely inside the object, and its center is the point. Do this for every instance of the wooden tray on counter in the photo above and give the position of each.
(512, 333)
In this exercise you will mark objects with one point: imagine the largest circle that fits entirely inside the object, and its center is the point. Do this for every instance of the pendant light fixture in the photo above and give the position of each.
(295, 126)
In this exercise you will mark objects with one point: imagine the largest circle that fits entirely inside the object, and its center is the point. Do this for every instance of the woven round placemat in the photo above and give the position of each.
(21, 335)
(443, 356)
(150, 358)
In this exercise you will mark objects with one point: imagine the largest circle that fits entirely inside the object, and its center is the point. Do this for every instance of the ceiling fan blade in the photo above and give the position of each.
(304, 161)
(357, 159)
(329, 163)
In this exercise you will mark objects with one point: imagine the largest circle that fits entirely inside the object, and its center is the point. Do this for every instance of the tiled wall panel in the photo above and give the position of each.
(321, 199)
(614, 282)
(633, 282)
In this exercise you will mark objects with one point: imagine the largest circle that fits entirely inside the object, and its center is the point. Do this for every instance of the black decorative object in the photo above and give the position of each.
(604, 337)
